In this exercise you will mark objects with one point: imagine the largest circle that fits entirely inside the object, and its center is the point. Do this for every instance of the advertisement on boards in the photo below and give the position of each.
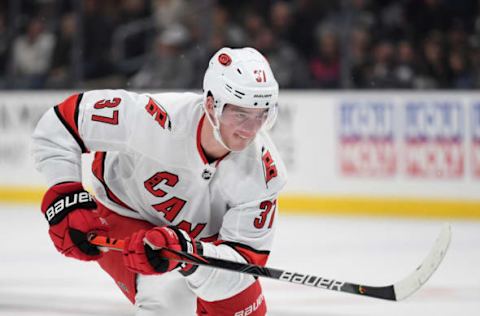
(476, 140)
(366, 139)
(433, 139)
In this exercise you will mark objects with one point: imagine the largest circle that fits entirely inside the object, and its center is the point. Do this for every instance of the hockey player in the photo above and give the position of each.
(196, 173)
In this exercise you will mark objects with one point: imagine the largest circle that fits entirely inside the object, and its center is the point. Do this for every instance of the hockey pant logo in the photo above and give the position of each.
(251, 308)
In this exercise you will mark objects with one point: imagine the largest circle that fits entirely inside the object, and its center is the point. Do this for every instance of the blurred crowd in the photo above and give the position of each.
(166, 44)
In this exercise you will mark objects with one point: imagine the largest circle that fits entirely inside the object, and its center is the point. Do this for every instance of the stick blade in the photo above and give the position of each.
(424, 271)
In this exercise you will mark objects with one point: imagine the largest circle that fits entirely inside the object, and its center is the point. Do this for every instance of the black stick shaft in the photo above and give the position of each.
(385, 292)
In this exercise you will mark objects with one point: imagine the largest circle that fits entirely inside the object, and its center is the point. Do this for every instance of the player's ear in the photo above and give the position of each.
(209, 105)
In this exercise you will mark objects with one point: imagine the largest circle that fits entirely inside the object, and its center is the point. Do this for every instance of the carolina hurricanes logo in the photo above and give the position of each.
(159, 114)
(269, 166)
(224, 59)
(260, 75)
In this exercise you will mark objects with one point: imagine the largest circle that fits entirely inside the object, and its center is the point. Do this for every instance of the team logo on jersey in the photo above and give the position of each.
(159, 114)
(268, 165)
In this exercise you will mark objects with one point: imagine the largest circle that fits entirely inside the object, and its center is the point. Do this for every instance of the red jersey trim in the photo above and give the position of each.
(199, 138)
(67, 113)
(251, 255)
(98, 169)
(200, 150)
(220, 159)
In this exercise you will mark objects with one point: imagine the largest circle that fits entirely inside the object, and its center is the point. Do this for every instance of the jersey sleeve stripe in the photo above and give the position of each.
(98, 169)
(67, 113)
(251, 255)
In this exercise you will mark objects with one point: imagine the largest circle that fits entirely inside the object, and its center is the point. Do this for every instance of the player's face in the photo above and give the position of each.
(239, 125)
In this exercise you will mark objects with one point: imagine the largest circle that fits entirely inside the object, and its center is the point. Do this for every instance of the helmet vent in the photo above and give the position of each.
(239, 71)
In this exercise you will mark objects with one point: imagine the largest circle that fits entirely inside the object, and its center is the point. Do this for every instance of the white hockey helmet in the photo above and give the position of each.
(241, 77)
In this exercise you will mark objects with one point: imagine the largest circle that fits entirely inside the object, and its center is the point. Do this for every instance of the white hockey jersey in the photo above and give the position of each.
(149, 165)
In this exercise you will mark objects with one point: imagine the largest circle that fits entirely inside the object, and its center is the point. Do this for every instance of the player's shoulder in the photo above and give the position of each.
(178, 110)
(173, 101)
(178, 106)
(119, 96)
(256, 172)
(167, 111)
(176, 101)
(169, 118)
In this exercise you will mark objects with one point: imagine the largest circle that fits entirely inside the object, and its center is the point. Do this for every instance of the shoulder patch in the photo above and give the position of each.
(269, 168)
(159, 114)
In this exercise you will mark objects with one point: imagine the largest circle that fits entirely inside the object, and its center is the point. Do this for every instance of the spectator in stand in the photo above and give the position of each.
(133, 36)
(97, 30)
(132, 11)
(474, 52)
(427, 16)
(354, 14)
(169, 12)
(61, 76)
(170, 66)
(3, 51)
(434, 40)
(289, 68)
(382, 75)
(31, 56)
(325, 64)
(222, 21)
(305, 16)
(201, 55)
(406, 67)
(392, 19)
(253, 24)
(461, 76)
(359, 50)
(281, 21)
(475, 62)
(434, 69)
(456, 37)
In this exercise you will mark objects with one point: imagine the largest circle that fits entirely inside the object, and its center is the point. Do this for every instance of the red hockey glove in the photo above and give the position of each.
(71, 213)
(142, 253)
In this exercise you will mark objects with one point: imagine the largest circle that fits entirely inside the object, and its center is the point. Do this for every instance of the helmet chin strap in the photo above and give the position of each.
(216, 132)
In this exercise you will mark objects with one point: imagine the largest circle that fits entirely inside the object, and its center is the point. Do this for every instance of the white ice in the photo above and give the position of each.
(36, 280)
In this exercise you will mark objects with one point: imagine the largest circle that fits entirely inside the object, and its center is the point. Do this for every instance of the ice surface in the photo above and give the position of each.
(36, 280)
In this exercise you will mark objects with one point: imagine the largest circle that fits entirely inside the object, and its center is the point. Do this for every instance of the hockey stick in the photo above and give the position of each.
(395, 292)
